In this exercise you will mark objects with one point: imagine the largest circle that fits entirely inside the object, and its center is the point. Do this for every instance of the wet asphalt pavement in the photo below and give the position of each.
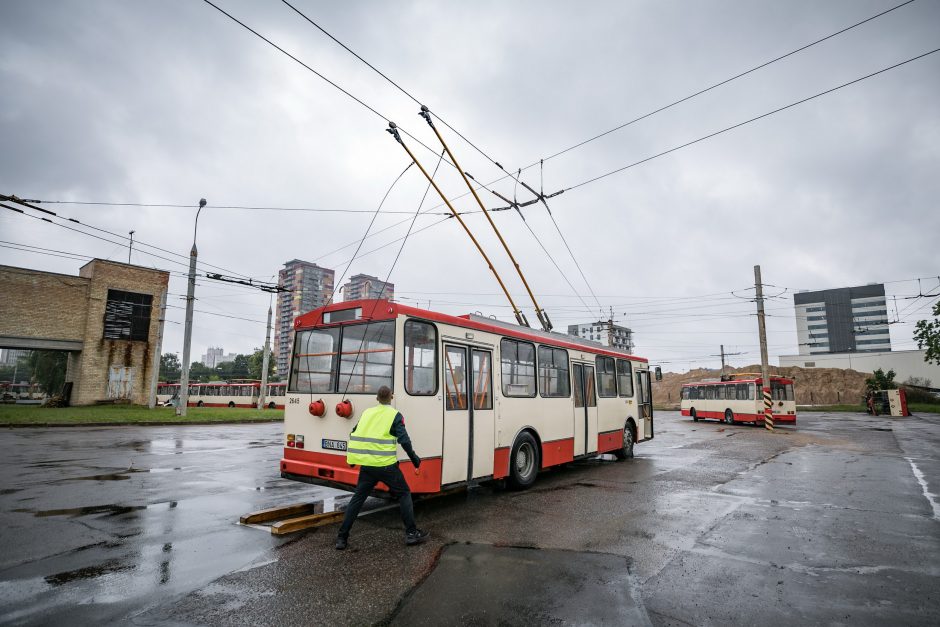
(834, 521)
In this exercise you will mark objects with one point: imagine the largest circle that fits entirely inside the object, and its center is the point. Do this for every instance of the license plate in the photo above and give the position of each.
(335, 445)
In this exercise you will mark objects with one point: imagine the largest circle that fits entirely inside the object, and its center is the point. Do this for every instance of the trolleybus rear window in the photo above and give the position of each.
(363, 364)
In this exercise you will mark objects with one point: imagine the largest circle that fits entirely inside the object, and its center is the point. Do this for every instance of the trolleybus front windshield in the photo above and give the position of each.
(350, 359)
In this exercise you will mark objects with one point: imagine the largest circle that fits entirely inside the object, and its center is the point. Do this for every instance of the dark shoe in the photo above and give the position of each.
(341, 543)
(416, 537)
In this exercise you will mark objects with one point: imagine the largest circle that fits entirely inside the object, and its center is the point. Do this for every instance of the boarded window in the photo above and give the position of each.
(127, 316)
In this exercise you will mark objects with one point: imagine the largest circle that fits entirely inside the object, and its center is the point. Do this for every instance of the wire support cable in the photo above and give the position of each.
(751, 120)
(388, 277)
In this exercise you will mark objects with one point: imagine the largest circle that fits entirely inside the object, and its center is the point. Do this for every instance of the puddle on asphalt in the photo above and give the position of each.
(88, 572)
(109, 510)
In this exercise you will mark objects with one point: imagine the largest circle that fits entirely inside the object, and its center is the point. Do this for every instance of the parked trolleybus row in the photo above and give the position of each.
(218, 394)
(482, 399)
(739, 399)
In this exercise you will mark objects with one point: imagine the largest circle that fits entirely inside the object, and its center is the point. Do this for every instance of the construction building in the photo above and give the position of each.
(215, 355)
(108, 320)
(308, 286)
(842, 320)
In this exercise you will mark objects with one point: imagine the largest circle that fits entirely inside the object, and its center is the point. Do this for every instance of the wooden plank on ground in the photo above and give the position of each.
(305, 522)
(277, 513)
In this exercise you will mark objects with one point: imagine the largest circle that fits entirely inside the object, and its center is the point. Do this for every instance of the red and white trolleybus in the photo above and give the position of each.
(739, 399)
(482, 399)
(223, 394)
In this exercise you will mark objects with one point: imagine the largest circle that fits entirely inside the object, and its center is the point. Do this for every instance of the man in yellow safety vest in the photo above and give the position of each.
(373, 446)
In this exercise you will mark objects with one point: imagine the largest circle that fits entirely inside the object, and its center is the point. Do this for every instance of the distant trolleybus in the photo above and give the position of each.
(482, 399)
(739, 399)
(222, 394)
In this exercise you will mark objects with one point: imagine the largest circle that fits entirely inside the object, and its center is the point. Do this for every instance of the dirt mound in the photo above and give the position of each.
(813, 386)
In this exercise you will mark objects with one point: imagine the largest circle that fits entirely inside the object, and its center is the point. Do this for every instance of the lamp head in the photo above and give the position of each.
(202, 203)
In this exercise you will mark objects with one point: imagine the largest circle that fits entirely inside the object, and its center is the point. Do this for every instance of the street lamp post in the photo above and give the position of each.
(188, 331)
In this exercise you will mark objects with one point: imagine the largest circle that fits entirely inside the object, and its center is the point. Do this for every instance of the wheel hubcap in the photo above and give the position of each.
(524, 460)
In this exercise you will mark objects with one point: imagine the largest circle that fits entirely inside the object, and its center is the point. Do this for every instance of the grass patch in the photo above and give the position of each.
(923, 408)
(129, 414)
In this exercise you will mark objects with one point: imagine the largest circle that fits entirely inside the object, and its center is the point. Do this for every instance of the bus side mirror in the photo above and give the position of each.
(659, 373)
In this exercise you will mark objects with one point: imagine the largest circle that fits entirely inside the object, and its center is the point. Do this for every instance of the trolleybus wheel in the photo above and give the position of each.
(729, 416)
(200, 404)
(626, 452)
(271, 405)
(231, 403)
(693, 414)
(523, 462)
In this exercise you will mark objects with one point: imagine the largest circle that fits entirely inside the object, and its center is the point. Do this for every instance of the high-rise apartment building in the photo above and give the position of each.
(364, 286)
(215, 356)
(842, 320)
(310, 286)
(601, 331)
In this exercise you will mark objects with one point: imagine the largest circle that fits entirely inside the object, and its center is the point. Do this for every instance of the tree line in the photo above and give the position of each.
(242, 367)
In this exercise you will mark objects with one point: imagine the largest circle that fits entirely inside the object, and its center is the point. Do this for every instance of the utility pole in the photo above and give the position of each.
(764, 370)
(265, 361)
(723, 354)
(157, 353)
(130, 248)
(610, 328)
(188, 329)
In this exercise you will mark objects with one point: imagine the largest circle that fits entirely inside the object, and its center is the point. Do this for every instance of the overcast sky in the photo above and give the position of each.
(168, 102)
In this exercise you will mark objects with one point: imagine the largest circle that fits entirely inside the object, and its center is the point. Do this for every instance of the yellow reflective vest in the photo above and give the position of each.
(371, 442)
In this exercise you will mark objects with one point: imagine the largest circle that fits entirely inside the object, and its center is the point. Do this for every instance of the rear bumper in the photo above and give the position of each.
(331, 469)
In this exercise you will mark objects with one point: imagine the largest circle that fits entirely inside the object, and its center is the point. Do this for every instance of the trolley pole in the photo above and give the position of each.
(764, 369)
(264, 362)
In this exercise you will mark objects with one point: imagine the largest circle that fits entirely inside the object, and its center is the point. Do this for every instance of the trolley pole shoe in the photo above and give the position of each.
(413, 537)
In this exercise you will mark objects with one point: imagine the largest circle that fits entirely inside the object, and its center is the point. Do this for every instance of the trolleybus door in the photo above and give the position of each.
(469, 424)
(585, 409)
(645, 399)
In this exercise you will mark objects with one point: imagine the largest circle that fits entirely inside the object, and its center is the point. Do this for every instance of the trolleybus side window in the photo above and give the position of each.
(367, 359)
(606, 377)
(625, 377)
(553, 372)
(751, 391)
(314, 363)
(585, 396)
(455, 377)
(482, 362)
(420, 358)
(741, 391)
(517, 368)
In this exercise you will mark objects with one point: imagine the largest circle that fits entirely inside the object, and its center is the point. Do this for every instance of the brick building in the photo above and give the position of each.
(107, 318)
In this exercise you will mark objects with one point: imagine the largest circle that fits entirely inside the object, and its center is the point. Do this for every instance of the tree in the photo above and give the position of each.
(170, 368)
(881, 380)
(927, 334)
(255, 364)
(48, 369)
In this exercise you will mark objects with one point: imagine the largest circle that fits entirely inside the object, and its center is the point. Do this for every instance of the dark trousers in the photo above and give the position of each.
(395, 480)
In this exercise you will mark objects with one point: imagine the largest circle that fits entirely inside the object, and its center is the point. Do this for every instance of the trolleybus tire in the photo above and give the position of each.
(200, 404)
(626, 451)
(729, 416)
(271, 405)
(231, 403)
(693, 414)
(523, 462)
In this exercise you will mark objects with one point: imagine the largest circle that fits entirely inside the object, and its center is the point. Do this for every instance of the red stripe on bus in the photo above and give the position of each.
(385, 310)
(609, 441)
(738, 417)
(557, 452)
(205, 404)
(501, 463)
(332, 467)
